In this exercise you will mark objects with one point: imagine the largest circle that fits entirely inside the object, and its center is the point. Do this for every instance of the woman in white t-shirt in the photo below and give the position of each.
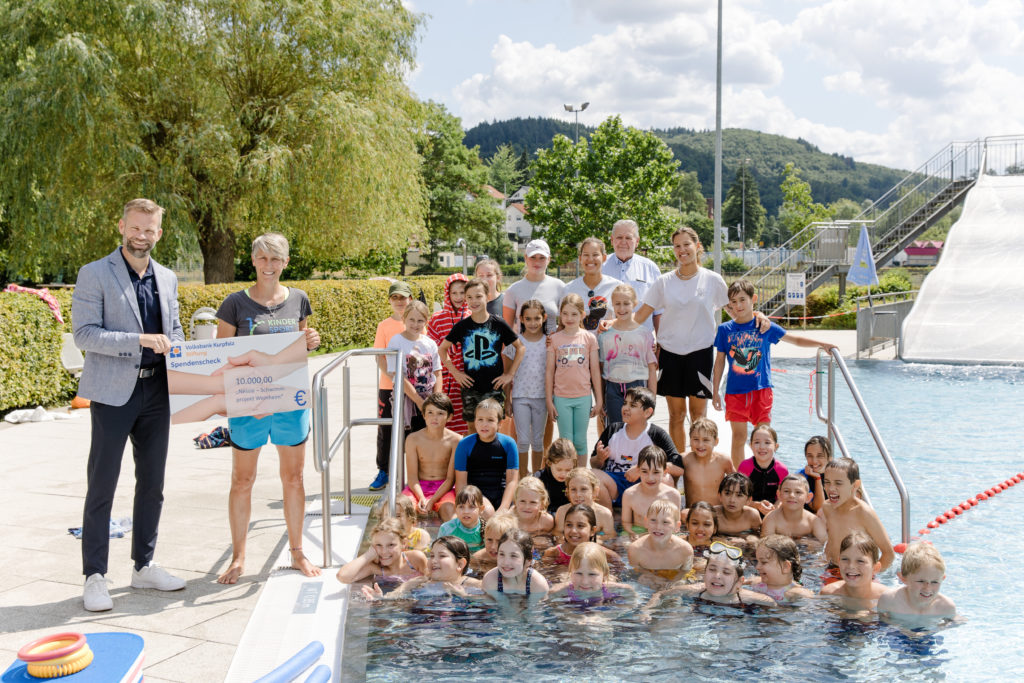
(594, 287)
(691, 297)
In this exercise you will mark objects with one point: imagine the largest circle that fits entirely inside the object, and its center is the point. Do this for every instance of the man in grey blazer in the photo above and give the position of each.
(125, 316)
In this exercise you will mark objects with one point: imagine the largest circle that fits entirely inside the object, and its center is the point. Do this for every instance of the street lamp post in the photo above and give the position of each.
(572, 109)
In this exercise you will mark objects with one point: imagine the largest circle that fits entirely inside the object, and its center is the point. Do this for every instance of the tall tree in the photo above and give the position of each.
(581, 190)
(454, 176)
(742, 205)
(686, 195)
(503, 170)
(239, 116)
(798, 206)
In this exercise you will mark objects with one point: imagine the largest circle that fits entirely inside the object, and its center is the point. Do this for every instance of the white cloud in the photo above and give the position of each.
(926, 71)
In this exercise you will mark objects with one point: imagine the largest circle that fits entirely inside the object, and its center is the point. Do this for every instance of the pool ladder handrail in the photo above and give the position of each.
(835, 437)
(322, 454)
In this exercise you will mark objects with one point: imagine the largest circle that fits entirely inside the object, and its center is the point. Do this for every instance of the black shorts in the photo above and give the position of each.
(686, 375)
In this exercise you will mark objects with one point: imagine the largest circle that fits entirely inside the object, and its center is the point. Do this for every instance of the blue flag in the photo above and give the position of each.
(862, 270)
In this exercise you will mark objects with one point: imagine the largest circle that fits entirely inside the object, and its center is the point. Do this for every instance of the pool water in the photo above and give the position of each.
(951, 433)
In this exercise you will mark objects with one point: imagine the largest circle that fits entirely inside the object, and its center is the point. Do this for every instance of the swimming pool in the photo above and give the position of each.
(950, 430)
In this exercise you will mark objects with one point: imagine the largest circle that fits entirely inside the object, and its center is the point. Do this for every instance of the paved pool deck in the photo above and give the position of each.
(190, 635)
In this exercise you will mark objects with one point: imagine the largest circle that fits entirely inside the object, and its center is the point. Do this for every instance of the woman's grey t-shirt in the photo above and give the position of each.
(548, 291)
(249, 317)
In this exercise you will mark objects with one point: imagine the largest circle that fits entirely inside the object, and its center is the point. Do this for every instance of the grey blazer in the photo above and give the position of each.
(106, 322)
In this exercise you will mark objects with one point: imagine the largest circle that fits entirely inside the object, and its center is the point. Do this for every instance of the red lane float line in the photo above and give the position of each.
(963, 507)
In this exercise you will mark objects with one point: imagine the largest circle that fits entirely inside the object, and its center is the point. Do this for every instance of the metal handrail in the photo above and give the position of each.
(834, 435)
(322, 454)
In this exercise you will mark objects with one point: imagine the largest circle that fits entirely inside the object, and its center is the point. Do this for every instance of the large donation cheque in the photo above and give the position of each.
(238, 376)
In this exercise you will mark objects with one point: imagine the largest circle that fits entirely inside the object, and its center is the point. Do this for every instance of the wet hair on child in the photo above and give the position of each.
(784, 549)
(439, 401)
(767, 428)
(593, 554)
(798, 478)
(470, 494)
(416, 306)
(584, 473)
(405, 509)
(661, 505)
(822, 443)
(559, 450)
(642, 396)
(919, 556)
(705, 426)
(491, 404)
(501, 524)
(588, 512)
(537, 486)
(457, 547)
(521, 539)
(531, 305)
(653, 457)
(704, 505)
(740, 482)
(390, 525)
(863, 543)
(847, 466)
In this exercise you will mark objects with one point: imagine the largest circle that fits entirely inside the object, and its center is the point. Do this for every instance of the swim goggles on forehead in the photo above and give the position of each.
(731, 551)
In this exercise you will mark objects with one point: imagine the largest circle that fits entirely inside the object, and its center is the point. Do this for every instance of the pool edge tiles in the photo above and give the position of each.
(294, 610)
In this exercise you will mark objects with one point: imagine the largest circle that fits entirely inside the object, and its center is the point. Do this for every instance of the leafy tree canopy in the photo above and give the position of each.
(579, 190)
(238, 116)
(742, 206)
(686, 194)
(503, 170)
(798, 206)
(454, 177)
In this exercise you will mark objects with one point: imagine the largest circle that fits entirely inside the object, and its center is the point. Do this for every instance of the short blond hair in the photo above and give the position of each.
(584, 473)
(662, 505)
(703, 424)
(920, 555)
(273, 243)
(592, 553)
(143, 205)
(537, 486)
(501, 524)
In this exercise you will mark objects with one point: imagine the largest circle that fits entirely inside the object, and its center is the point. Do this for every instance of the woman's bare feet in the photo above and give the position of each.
(300, 562)
(232, 573)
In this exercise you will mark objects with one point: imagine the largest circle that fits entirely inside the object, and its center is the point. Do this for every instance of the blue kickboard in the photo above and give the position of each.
(117, 657)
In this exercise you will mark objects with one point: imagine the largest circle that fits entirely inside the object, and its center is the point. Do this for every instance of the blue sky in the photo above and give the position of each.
(888, 81)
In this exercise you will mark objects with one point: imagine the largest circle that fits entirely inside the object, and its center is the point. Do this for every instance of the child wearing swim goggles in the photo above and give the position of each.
(723, 582)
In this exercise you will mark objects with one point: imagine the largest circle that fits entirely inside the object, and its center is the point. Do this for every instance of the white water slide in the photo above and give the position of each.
(971, 307)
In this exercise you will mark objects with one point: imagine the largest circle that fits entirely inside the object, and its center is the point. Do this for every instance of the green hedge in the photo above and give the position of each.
(345, 312)
(31, 373)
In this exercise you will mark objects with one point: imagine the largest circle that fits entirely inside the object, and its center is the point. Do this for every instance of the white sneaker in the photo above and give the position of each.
(152, 576)
(96, 596)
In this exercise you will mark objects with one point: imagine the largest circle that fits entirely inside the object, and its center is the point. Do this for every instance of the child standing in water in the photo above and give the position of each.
(637, 499)
(513, 573)
(582, 486)
(778, 564)
(701, 528)
(590, 578)
(764, 470)
(735, 516)
(531, 507)
(845, 513)
(660, 552)
(386, 558)
(529, 404)
(449, 561)
(791, 518)
(627, 354)
(922, 572)
(453, 310)
(573, 374)
(859, 561)
(580, 527)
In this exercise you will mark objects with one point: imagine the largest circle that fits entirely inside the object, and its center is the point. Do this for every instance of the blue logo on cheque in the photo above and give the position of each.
(175, 352)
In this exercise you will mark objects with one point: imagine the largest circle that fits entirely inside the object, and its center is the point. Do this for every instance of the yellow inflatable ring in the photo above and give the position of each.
(62, 666)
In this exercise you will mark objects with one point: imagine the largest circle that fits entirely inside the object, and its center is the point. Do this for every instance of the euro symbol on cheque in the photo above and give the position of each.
(300, 397)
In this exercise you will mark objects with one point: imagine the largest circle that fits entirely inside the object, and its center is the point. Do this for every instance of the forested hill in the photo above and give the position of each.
(831, 176)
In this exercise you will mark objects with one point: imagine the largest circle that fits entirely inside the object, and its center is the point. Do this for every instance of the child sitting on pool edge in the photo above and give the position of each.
(791, 518)
(735, 516)
(429, 460)
(922, 572)
(703, 466)
(559, 461)
(636, 499)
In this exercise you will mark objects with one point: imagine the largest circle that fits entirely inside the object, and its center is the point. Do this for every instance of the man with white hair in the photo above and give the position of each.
(626, 265)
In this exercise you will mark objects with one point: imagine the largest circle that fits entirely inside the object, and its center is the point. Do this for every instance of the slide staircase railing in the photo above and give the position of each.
(835, 361)
(324, 449)
(820, 250)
